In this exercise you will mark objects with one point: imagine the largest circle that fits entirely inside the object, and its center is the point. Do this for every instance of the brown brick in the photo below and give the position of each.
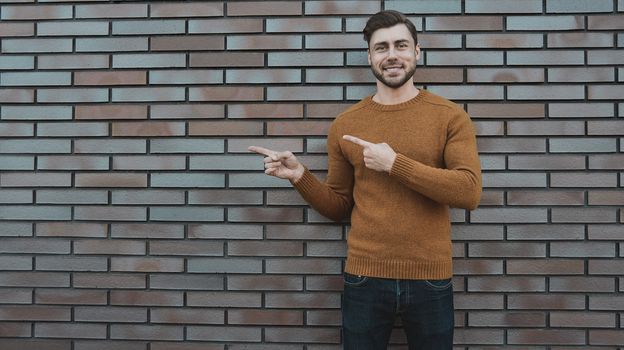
(545, 198)
(604, 22)
(477, 267)
(224, 334)
(148, 129)
(70, 330)
(184, 43)
(36, 12)
(606, 198)
(506, 110)
(249, 248)
(605, 128)
(605, 337)
(309, 335)
(15, 329)
(109, 247)
(109, 78)
(71, 229)
(265, 283)
(110, 180)
(579, 39)
(506, 284)
(264, 42)
(582, 284)
(265, 214)
(149, 163)
(35, 313)
(229, 231)
(271, 8)
(186, 316)
(549, 336)
(17, 29)
(70, 297)
(114, 111)
(187, 111)
(226, 93)
(17, 95)
(146, 298)
(310, 300)
(34, 344)
(507, 319)
(605, 267)
(547, 301)
(109, 280)
(265, 317)
(147, 230)
(585, 110)
(545, 267)
(224, 299)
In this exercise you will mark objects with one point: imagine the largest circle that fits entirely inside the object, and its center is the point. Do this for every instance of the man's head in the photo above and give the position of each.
(386, 19)
(392, 48)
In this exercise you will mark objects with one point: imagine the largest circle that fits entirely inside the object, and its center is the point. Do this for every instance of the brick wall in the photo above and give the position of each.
(133, 218)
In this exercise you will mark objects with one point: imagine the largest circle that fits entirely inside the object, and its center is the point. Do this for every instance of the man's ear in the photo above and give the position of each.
(417, 50)
(368, 56)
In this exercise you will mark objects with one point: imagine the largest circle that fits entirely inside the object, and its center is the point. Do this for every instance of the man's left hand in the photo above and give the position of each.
(377, 156)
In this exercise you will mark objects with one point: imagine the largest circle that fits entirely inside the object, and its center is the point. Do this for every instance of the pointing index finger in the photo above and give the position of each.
(263, 151)
(357, 141)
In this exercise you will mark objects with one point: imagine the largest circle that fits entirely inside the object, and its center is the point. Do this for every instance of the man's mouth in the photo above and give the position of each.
(394, 69)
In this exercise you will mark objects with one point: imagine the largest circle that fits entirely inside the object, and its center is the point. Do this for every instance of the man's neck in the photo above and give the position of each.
(390, 96)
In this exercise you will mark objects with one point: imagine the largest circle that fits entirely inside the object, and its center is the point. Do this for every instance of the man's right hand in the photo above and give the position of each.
(283, 165)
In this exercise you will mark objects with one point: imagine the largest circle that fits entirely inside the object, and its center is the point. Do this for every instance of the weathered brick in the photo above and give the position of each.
(108, 11)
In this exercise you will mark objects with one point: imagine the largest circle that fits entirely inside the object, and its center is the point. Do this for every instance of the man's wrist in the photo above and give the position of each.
(298, 173)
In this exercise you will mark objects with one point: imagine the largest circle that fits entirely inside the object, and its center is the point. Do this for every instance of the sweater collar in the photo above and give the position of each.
(395, 107)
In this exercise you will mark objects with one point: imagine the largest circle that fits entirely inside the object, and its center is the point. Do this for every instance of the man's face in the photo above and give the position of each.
(392, 54)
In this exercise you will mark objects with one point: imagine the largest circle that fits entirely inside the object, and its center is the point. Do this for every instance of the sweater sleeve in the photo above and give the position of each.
(333, 198)
(459, 183)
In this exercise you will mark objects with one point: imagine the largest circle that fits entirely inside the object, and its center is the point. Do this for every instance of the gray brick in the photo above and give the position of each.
(17, 62)
(35, 146)
(541, 23)
(39, 212)
(74, 28)
(442, 6)
(580, 145)
(580, 6)
(35, 78)
(148, 27)
(116, 44)
(187, 180)
(36, 45)
(36, 112)
(196, 76)
(149, 60)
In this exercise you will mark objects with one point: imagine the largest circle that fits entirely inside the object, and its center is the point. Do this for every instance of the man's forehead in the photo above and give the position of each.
(395, 33)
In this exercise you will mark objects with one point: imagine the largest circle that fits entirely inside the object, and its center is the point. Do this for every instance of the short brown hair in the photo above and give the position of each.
(387, 19)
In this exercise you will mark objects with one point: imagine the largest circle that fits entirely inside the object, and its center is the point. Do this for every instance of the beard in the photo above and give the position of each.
(396, 81)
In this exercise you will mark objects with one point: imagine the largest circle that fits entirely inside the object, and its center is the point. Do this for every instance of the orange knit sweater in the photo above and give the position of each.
(400, 226)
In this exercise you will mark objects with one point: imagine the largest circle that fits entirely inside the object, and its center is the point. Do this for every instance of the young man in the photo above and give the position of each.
(397, 161)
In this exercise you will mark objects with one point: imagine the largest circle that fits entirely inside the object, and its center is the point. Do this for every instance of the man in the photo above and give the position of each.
(397, 161)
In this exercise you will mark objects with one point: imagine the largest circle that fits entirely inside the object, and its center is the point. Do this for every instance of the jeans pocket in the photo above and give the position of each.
(439, 284)
(353, 280)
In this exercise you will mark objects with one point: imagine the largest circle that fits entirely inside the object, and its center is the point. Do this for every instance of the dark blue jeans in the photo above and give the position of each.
(370, 307)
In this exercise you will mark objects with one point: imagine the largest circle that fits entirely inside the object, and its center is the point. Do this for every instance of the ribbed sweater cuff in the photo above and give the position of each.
(402, 167)
(306, 183)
